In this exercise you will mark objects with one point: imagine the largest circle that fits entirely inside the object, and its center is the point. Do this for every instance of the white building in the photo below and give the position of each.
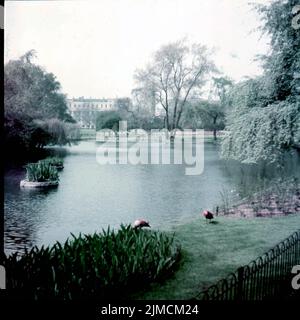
(85, 111)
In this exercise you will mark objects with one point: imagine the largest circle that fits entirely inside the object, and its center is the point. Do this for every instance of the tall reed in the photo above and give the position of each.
(108, 264)
(41, 171)
(54, 161)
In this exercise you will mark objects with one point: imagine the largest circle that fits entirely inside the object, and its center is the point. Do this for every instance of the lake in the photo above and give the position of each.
(91, 196)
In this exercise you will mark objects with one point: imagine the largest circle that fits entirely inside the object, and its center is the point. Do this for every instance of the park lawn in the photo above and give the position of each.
(211, 251)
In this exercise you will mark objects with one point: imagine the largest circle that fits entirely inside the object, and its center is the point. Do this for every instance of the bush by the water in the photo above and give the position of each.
(54, 161)
(102, 265)
(41, 171)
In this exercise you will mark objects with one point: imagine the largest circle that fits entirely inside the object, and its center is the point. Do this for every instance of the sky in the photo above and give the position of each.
(94, 46)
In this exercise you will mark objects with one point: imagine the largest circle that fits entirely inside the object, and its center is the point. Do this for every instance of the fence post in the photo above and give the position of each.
(240, 282)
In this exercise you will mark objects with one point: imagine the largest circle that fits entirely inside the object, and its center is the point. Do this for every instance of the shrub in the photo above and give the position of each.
(54, 161)
(102, 265)
(41, 171)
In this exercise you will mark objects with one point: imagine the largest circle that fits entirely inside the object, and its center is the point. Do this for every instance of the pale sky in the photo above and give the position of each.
(94, 46)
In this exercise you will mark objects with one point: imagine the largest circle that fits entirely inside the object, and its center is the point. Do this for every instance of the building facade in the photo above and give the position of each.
(85, 111)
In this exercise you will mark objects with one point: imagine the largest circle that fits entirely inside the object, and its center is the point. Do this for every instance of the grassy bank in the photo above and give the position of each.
(211, 251)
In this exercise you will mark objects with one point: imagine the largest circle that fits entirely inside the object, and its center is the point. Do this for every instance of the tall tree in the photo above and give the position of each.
(283, 64)
(212, 112)
(33, 97)
(108, 120)
(177, 70)
(265, 119)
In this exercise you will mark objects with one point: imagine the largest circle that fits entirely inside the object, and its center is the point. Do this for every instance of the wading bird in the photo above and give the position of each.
(208, 215)
(141, 223)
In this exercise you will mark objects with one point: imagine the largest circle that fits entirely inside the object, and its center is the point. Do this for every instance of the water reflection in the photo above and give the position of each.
(23, 212)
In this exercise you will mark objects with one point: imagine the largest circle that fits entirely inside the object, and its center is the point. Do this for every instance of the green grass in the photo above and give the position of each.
(211, 251)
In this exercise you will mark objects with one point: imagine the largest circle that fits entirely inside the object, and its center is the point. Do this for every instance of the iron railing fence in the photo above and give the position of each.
(267, 277)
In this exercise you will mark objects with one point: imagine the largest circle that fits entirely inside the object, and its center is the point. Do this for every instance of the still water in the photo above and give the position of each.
(92, 196)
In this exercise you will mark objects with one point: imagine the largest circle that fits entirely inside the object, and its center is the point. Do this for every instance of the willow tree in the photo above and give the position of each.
(175, 73)
(264, 122)
(35, 109)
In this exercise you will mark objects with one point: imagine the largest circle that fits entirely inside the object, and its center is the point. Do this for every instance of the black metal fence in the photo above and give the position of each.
(266, 277)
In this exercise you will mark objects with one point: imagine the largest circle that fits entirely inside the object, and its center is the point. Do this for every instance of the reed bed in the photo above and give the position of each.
(54, 161)
(41, 171)
(110, 264)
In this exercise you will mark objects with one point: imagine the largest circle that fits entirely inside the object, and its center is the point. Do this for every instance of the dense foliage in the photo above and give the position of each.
(136, 116)
(54, 161)
(205, 114)
(106, 265)
(264, 133)
(41, 171)
(264, 122)
(35, 112)
(108, 120)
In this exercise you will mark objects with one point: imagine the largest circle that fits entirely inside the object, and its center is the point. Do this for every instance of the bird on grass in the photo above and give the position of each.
(208, 215)
(141, 223)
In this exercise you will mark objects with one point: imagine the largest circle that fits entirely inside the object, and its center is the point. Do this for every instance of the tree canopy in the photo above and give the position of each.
(108, 120)
(35, 111)
(177, 71)
(264, 122)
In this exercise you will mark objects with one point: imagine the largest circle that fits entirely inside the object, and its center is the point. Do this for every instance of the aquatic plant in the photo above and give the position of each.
(41, 171)
(54, 161)
(101, 265)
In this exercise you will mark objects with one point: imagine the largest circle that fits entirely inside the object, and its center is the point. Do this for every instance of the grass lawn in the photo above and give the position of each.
(211, 251)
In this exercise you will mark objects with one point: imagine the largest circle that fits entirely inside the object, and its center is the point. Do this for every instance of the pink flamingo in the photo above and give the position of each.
(208, 215)
(141, 223)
